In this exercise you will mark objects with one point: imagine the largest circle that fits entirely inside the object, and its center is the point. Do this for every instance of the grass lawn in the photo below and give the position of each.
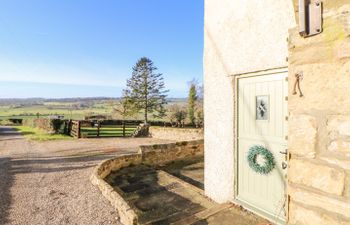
(40, 135)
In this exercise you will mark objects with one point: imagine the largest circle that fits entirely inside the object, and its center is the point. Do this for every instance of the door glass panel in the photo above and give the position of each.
(262, 107)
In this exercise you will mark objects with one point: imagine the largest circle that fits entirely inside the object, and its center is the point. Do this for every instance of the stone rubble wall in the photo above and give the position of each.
(149, 155)
(141, 131)
(319, 122)
(126, 213)
(164, 153)
(176, 134)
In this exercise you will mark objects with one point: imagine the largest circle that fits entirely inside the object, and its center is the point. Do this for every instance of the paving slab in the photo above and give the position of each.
(156, 197)
(232, 216)
(190, 170)
(160, 198)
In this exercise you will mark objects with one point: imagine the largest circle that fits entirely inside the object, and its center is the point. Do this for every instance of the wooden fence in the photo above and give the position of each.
(95, 129)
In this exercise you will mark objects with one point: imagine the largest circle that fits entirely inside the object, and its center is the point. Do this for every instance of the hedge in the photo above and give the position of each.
(46, 124)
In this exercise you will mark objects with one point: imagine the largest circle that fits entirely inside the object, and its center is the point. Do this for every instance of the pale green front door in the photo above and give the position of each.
(262, 111)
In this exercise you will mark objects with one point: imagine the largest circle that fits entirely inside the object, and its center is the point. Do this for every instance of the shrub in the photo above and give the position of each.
(6, 123)
(28, 122)
(46, 124)
(56, 125)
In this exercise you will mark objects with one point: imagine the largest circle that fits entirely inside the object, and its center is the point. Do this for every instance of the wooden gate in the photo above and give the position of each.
(91, 129)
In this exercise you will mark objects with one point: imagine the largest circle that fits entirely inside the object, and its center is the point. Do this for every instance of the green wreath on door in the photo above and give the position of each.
(269, 164)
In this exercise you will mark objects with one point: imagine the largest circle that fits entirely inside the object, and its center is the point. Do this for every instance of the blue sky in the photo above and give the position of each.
(85, 48)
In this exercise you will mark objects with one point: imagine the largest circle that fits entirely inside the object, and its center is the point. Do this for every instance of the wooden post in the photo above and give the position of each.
(79, 133)
(65, 127)
(123, 128)
(69, 127)
(98, 128)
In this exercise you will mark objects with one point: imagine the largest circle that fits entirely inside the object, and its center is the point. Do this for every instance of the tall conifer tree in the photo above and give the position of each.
(146, 89)
(192, 98)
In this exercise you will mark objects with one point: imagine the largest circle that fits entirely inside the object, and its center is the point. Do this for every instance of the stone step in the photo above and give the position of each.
(202, 215)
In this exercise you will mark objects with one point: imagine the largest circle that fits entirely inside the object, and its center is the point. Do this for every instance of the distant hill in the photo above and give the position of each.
(41, 101)
(72, 108)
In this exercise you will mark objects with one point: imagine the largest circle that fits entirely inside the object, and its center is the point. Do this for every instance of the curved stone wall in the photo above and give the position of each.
(149, 155)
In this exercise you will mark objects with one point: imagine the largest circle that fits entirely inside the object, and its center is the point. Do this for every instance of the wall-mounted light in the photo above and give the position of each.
(310, 18)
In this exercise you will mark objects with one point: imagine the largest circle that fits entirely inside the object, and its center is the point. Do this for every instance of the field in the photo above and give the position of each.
(75, 108)
(70, 110)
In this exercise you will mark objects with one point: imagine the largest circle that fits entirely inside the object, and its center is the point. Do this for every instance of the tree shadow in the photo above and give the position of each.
(190, 170)
(155, 199)
(59, 164)
(6, 181)
(27, 132)
(9, 133)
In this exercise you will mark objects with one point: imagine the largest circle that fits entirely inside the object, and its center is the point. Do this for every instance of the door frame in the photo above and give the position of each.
(241, 203)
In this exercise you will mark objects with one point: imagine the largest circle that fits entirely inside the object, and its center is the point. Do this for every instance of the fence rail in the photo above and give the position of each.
(91, 129)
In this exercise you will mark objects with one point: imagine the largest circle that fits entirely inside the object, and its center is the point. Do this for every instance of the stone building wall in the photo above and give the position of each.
(319, 122)
(176, 134)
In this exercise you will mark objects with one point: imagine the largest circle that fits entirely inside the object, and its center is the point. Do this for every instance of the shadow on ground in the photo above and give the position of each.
(6, 181)
(55, 164)
(190, 170)
(155, 198)
(9, 133)
(158, 198)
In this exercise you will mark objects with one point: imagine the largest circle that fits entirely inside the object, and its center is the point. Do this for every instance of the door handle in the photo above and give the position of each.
(284, 153)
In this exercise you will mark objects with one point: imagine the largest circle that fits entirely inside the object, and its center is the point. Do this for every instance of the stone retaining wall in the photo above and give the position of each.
(319, 123)
(176, 134)
(150, 155)
(126, 213)
(164, 153)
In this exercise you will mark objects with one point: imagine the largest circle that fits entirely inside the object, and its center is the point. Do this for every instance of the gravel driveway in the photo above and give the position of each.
(48, 182)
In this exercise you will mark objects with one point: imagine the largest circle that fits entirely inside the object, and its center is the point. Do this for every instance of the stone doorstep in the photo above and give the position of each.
(202, 215)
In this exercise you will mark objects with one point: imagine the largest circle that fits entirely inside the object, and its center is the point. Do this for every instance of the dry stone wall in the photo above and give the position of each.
(319, 122)
(176, 134)
(164, 153)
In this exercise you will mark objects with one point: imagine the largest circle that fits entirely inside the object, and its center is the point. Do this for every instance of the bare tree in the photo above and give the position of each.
(125, 106)
(177, 115)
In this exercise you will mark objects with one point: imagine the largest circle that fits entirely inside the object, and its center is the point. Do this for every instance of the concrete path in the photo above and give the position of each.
(44, 183)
